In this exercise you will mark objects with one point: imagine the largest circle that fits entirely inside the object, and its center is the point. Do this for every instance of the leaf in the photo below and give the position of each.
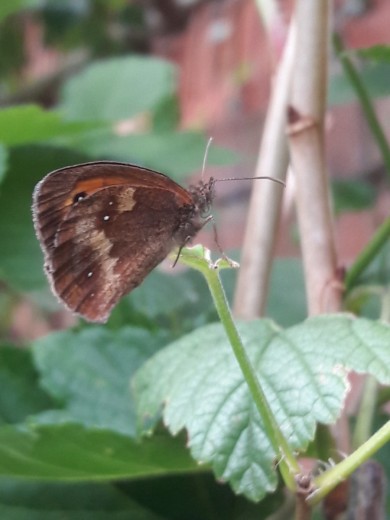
(75, 454)
(182, 301)
(3, 161)
(379, 53)
(89, 371)
(187, 496)
(173, 153)
(286, 300)
(27, 124)
(374, 76)
(31, 501)
(303, 373)
(117, 89)
(21, 261)
(352, 195)
(20, 395)
(8, 7)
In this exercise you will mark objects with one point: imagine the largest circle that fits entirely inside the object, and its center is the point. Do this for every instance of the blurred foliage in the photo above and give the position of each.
(352, 195)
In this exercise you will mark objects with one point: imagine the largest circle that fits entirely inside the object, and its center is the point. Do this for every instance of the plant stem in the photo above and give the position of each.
(364, 99)
(379, 239)
(329, 480)
(288, 464)
(366, 412)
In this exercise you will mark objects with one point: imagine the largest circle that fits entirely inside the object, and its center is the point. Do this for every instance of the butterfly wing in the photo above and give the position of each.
(103, 227)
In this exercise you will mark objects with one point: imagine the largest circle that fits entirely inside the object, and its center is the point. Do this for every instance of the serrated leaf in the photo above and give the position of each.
(89, 371)
(73, 453)
(303, 373)
(117, 89)
(27, 124)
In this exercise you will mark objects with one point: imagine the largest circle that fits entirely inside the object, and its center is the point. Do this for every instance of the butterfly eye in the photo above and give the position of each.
(79, 196)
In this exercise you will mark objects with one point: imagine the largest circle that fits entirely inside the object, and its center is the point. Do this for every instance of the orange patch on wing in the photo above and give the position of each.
(90, 186)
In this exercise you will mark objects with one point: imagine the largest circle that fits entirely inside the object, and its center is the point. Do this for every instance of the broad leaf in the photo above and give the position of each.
(175, 153)
(3, 161)
(42, 501)
(27, 124)
(374, 76)
(376, 53)
(73, 453)
(21, 261)
(303, 373)
(8, 7)
(117, 89)
(89, 372)
(20, 395)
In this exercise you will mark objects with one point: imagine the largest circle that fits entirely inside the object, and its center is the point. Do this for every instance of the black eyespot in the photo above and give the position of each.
(79, 196)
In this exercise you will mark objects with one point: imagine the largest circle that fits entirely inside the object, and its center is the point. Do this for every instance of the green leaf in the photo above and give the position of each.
(3, 161)
(117, 89)
(30, 124)
(20, 395)
(89, 371)
(182, 301)
(31, 501)
(352, 195)
(174, 153)
(374, 76)
(164, 294)
(286, 300)
(21, 260)
(379, 53)
(190, 496)
(8, 7)
(303, 373)
(72, 453)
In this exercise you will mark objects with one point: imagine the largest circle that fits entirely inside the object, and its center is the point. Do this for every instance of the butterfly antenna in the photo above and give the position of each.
(205, 157)
(252, 178)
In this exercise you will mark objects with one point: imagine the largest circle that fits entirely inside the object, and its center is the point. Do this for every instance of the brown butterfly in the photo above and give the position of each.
(103, 226)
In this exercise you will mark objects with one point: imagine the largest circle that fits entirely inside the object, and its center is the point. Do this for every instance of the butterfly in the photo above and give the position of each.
(104, 226)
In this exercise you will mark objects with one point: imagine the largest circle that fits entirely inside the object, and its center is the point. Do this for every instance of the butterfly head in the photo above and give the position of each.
(203, 196)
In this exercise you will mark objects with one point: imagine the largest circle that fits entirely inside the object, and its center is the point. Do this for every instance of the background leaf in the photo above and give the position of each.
(374, 77)
(73, 453)
(27, 124)
(27, 501)
(174, 153)
(117, 89)
(21, 260)
(8, 7)
(376, 53)
(89, 372)
(20, 394)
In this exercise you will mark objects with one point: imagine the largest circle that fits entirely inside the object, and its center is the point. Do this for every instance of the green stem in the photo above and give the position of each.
(288, 464)
(365, 101)
(329, 480)
(366, 412)
(368, 254)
